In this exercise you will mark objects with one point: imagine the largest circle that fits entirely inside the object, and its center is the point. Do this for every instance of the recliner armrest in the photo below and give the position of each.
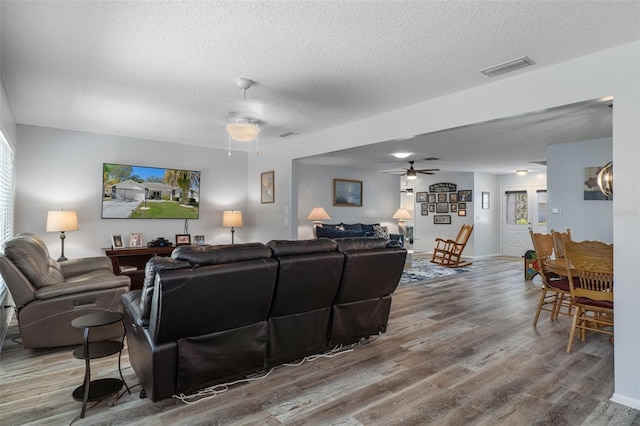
(73, 267)
(78, 288)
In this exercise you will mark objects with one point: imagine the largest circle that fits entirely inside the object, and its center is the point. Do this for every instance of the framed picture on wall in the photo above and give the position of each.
(462, 212)
(267, 187)
(453, 207)
(424, 212)
(442, 207)
(442, 219)
(462, 206)
(432, 208)
(464, 195)
(432, 198)
(424, 206)
(347, 193)
(442, 198)
(421, 197)
(453, 197)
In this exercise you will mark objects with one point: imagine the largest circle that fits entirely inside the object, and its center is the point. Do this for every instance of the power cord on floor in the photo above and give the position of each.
(213, 391)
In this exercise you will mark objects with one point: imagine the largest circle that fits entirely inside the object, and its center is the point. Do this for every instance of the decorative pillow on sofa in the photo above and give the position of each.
(352, 226)
(368, 229)
(381, 231)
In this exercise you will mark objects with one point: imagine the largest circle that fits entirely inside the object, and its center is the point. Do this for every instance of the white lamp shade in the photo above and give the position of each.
(232, 218)
(318, 213)
(402, 214)
(62, 220)
(243, 132)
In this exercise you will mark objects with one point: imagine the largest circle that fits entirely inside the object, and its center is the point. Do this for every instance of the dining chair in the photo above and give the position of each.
(591, 264)
(556, 294)
(559, 240)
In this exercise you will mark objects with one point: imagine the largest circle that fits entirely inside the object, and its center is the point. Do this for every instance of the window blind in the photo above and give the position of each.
(6, 191)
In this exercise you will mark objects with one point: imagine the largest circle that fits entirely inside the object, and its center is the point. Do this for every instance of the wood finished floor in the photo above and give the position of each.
(459, 350)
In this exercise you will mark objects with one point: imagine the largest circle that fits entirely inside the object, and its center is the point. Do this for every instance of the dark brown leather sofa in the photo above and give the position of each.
(211, 314)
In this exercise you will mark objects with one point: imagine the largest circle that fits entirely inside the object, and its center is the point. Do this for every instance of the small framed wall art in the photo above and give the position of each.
(442, 207)
(432, 198)
(465, 195)
(462, 212)
(424, 212)
(267, 187)
(347, 193)
(442, 219)
(421, 197)
(432, 208)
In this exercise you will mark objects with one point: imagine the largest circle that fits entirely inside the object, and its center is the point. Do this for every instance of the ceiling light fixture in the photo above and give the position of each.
(508, 66)
(411, 174)
(522, 172)
(401, 154)
(243, 128)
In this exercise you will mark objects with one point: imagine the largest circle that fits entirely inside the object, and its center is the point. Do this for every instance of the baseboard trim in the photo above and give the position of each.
(625, 400)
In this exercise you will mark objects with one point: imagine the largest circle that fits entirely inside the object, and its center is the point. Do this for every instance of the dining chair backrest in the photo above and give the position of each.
(591, 263)
(559, 241)
(543, 246)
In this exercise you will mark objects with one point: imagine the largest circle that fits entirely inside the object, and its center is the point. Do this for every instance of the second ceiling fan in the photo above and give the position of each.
(412, 173)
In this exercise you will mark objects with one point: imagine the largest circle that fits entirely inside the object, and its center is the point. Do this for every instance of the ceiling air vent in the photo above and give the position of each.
(287, 134)
(509, 66)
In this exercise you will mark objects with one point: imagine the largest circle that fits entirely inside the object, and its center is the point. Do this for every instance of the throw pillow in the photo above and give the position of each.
(381, 231)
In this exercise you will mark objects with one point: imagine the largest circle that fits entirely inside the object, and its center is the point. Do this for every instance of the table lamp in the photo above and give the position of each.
(61, 220)
(402, 215)
(317, 215)
(232, 219)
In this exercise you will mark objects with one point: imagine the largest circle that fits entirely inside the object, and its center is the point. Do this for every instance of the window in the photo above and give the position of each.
(542, 207)
(517, 208)
(6, 190)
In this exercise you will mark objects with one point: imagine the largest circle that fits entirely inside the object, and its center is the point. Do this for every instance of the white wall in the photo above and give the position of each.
(380, 197)
(63, 169)
(587, 219)
(486, 222)
(612, 72)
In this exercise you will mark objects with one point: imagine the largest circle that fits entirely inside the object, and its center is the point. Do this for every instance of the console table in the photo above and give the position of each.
(95, 390)
(131, 261)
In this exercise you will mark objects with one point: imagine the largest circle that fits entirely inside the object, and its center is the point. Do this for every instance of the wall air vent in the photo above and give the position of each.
(509, 66)
(287, 134)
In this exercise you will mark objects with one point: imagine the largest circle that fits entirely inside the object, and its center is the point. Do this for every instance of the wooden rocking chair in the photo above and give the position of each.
(448, 252)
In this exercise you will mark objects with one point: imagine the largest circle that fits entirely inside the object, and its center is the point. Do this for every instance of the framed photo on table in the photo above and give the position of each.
(135, 240)
(117, 242)
(199, 240)
(183, 239)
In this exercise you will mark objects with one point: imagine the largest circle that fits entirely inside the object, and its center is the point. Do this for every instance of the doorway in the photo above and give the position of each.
(522, 207)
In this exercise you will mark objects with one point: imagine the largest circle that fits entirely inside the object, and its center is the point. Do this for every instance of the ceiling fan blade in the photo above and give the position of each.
(427, 170)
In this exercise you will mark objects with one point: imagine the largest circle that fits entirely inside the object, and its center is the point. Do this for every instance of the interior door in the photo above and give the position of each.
(522, 207)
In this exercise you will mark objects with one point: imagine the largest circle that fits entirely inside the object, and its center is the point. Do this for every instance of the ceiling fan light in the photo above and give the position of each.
(411, 174)
(243, 131)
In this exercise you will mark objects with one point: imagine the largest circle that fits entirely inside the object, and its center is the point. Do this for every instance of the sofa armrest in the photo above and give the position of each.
(73, 267)
(131, 304)
(78, 288)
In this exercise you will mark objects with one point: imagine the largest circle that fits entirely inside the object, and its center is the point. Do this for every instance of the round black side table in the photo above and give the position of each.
(102, 388)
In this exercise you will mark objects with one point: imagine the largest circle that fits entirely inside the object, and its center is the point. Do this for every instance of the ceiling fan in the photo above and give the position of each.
(412, 173)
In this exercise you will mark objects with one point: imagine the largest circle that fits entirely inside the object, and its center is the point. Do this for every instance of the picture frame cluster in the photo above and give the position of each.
(442, 203)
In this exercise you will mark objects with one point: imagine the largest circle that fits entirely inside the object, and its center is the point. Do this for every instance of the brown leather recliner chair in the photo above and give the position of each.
(48, 294)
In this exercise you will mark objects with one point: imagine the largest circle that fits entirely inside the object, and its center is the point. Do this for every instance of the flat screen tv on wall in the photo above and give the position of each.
(138, 192)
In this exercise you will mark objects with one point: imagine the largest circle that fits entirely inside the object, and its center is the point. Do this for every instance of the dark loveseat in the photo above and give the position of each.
(210, 314)
(345, 230)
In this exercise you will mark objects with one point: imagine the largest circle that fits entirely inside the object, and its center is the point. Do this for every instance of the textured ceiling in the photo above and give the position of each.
(166, 70)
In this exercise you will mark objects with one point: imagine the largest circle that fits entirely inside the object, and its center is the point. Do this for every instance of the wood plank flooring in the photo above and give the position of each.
(460, 350)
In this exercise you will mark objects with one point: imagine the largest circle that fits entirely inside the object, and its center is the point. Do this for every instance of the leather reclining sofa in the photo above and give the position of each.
(211, 314)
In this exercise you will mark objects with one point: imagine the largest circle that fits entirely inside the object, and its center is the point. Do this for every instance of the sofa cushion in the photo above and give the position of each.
(153, 266)
(281, 248)
(352, 226)
(336, 233)
(333, 225)
(215, 255)
(350, 244)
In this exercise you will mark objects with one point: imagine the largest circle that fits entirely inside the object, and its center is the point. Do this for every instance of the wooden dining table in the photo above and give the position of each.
(557, 266)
